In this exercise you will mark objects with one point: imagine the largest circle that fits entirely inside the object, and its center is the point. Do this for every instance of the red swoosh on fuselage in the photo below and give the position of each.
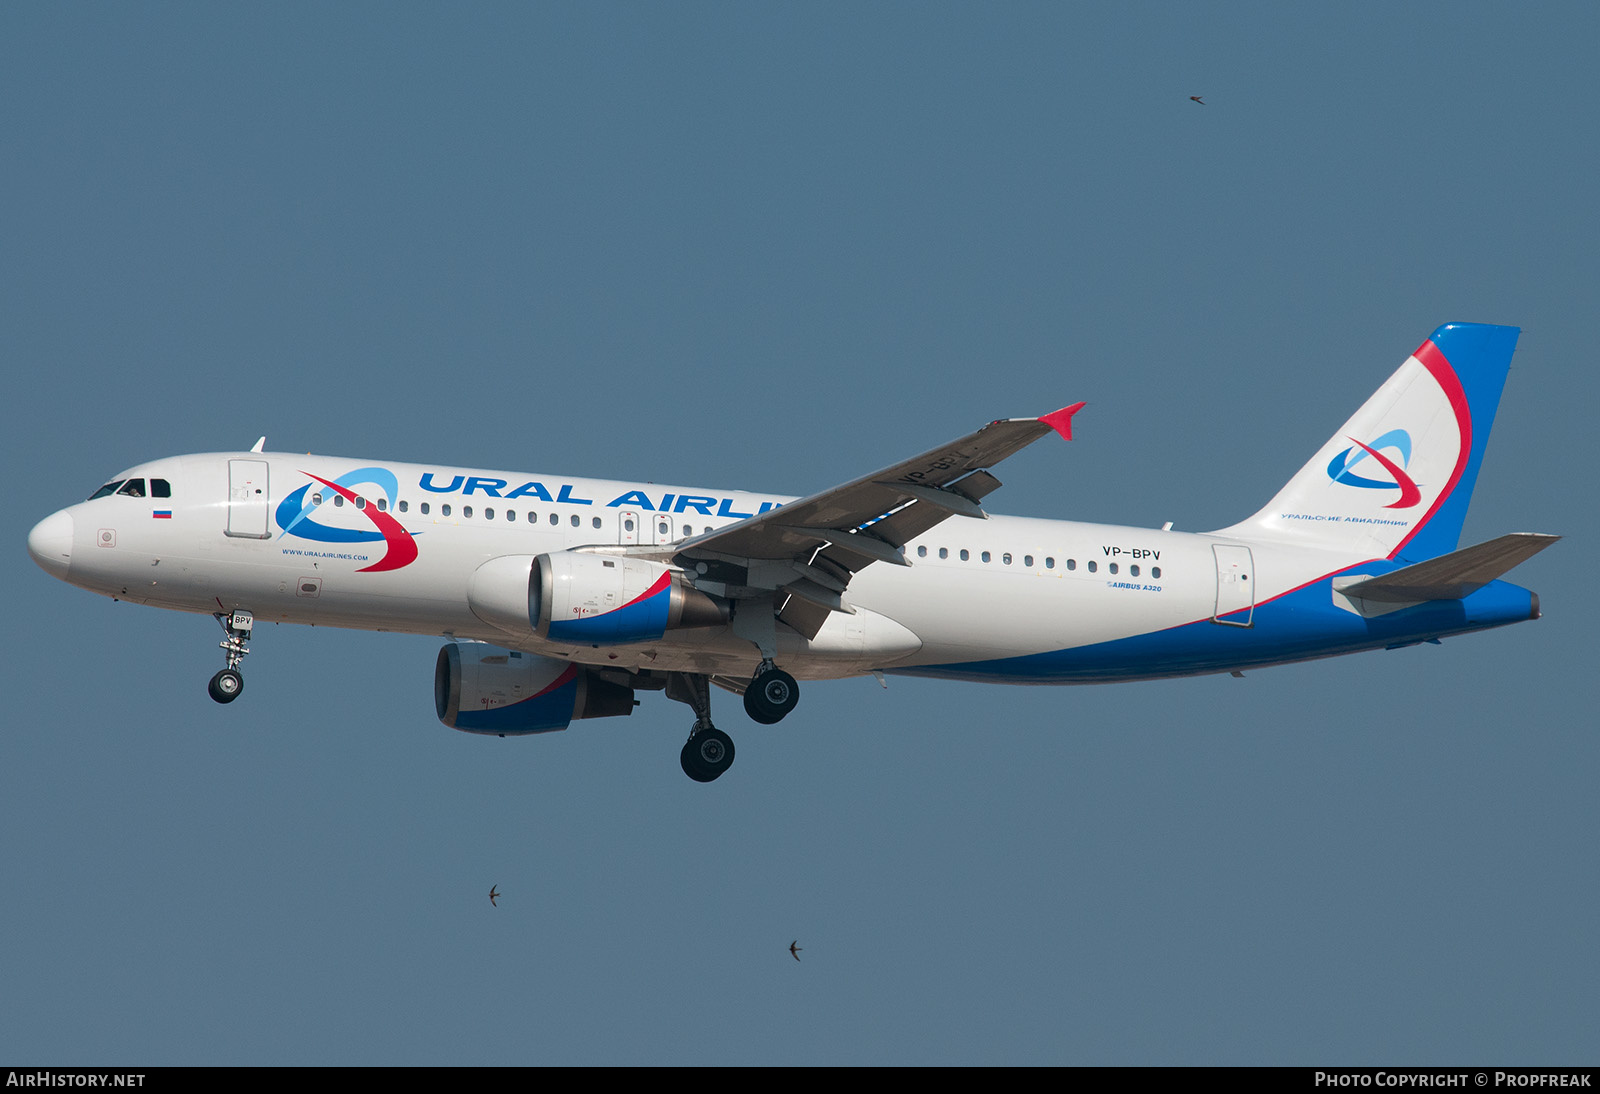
(402, 547)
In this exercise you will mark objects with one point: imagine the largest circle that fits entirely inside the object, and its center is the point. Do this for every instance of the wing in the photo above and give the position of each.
(805, 552)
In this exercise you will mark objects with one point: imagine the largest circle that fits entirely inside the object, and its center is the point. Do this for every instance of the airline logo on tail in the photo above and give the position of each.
(1341, 468)
(294, 517)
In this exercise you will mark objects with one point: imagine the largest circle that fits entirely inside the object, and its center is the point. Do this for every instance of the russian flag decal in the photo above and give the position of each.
(162, 514)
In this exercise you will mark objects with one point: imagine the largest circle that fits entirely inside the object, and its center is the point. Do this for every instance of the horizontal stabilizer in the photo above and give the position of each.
(1455, 575)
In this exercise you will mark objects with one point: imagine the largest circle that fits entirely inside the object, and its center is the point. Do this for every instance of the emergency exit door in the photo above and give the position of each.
(1236, 597)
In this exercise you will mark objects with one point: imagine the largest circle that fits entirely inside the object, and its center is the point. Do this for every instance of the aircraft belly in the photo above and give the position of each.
(847, 645)
(1302, 624)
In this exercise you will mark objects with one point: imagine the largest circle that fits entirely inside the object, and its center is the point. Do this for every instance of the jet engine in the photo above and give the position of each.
(479, 688)
(589, 599)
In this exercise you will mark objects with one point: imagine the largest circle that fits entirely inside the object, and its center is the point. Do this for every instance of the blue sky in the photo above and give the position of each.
(772, 247)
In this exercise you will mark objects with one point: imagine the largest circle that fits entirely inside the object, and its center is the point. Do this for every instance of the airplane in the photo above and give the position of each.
(562, 598)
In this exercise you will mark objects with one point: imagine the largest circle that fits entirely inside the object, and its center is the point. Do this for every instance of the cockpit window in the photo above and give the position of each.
(134, 488)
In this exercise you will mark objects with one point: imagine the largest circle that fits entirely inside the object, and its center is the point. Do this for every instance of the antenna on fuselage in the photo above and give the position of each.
(259, 446)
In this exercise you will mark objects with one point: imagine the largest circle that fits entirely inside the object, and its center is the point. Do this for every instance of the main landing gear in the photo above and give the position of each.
(226, 685)
(771, 694)
(708, 752)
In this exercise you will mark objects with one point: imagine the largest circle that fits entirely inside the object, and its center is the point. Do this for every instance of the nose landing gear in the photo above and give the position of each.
(227, 684)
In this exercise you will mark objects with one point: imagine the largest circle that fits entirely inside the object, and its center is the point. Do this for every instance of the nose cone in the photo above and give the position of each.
(50, 543)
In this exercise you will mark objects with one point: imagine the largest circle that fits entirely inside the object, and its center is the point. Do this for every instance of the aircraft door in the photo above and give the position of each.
(629, 525)
(247, 499)
(1235, 585)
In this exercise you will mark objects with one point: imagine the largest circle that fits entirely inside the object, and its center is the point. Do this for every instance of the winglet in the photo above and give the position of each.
(1061, 420)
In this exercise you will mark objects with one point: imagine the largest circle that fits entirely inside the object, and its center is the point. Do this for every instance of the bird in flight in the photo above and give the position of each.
(794, 949)
(493, 892)
(1197, 99)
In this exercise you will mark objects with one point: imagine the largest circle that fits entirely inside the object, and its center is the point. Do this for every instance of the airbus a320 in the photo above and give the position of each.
(564, 598)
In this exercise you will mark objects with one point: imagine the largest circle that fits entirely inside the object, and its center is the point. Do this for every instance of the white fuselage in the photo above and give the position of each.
(976, 591)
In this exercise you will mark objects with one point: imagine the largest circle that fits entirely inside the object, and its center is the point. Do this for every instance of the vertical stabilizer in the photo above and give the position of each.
(1396, 479)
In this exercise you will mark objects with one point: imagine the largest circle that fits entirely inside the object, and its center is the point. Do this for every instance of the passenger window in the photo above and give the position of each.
(628, 525)
(944, 552)
(554, 519)
(316, 499)
(986, 556)
(687, 530)
(466, 511)
(160, 488)
(596, 522)
(922, 552)
(964, 555)
(338, 501)
(1113, 567)
(404, 506)
(511, 515)
(1027, 560)
(1133, 570)
(133, 488)
(424, 508)
(1006, 558)
(1050, 564)
(1072, 564)
(361, 502)
(663, 530)
(444, 510)
(1093, 566)
(575, 521)
(1155, 572)
(383, 505)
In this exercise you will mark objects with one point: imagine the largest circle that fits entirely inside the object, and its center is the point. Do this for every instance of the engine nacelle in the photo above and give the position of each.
(588, 599)
(479, 688)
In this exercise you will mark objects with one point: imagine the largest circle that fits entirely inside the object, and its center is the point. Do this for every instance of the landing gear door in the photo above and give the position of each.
(1235, 586)
(247, 499)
